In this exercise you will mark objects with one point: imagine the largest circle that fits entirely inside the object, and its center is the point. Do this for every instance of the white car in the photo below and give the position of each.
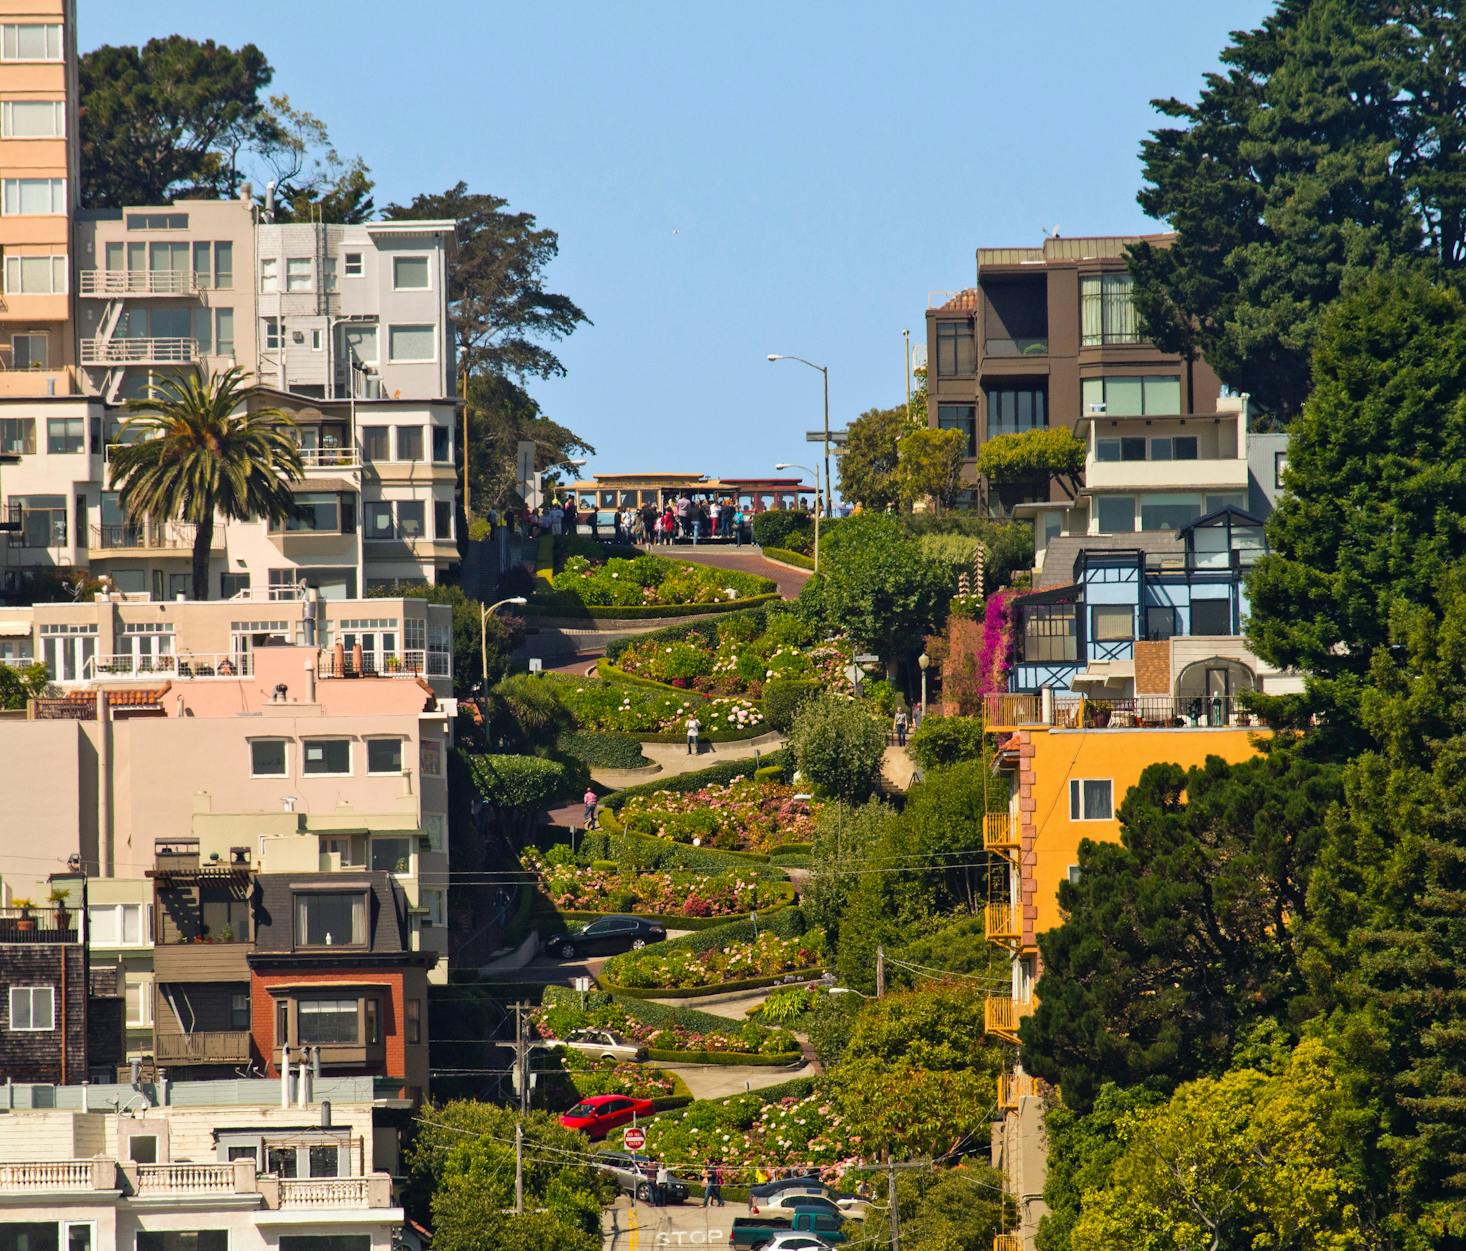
(600, 1043)
(790, 1240)
(819, 1198)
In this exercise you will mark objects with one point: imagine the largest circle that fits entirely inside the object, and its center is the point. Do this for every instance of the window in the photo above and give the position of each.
(143, 1148)
(433, 900)
(409, 442)
(157, 221)
(224, 331)
(443, 519)
(139, 999)
(65, 435)
(1050, 633)
(315, 340)
(962, 417)
(298, 273)
(32, 195)
(1111, 623)
(33, 119)
(315, 511)
(328, 756)
(435, 826)
(392, 855)
(182, 1240)
(327, 1020)
(330, 919)
(239, 1011)
(1129, 448)
(252, 1154)
(31, 41)
(1169, 511)
(1012, 410)
(384, 755)
(1151, 395)
(269, 273)
(411, 343)
(325, 1160)
(231, 584)
(1160, 622)
(411, 517)
(409, 273)
(432, 758)
(955, 348)
(43, 521)
(18, 434)
(352, 263)
(1091, 800)
(414, 1020)
(376, 442)
(377, 518)
(1280, 465)
(1211, 616)
(373, 1033)
(30, 351)
(443, 445)
(1107, 310)
(1177, 447)
(223, 265)
(115, 925)
(1073, 875)
(35, 275)
(328, 274)
(1115, 513)
(282, 1020)
(267, 758)
(270, 333)
(281, 1161)
(32, 1009)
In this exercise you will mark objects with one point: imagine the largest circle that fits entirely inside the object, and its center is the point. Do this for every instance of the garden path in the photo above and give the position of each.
(716, 1081)
(674, 759)
(898, 768)
(789, 580)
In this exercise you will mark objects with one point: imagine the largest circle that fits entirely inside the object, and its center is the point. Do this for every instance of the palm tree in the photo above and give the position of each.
(198, 451)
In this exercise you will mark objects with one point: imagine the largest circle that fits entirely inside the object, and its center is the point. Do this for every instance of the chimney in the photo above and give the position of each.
(310, 680)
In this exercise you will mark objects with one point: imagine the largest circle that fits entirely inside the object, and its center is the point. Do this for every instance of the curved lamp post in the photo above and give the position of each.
(824, 370)
(483, 633)
(816, 472)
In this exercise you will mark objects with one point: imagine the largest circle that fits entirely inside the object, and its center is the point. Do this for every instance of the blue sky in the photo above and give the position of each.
(733, 180)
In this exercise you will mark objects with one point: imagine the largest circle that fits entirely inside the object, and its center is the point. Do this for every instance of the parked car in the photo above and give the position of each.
(600, 1043)
(636, 1175)
(789, 1240)
(606, 936)
(847, 1207)
(784, 1183)
(750, 1232)
(599, 1114)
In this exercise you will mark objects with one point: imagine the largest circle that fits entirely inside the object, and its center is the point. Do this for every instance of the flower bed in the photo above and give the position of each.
(602, 888)
(668, 1034)
(654, 581)
(672, 966)
(744, 815)
(627, 708)
(600, 1077)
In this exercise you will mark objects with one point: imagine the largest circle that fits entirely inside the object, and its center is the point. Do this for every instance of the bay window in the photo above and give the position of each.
(1107, 310)
(330, 919)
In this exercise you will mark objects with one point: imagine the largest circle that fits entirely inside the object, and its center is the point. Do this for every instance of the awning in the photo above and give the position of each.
(325, 485)
(15, 629)
(1103, 672)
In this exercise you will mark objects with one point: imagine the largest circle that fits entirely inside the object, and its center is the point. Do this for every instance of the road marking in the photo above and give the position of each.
(631, 1227)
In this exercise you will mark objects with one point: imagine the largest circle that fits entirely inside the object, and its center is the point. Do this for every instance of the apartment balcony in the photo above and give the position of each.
(129, 538)
(172, 351)
(1211, 474)
(43, 924)
(411, 663)
(999, 832)
(212, 1046)
(1001, 348)
(318, 458)
(1013, 1087)
(1004, 924)
(191, 665)
(1002, 1014)
(109, 284)
(1007, 1242)
(1135, 712)
(57, 1176)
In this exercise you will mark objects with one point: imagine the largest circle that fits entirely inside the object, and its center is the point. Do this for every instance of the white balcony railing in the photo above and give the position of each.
(191, 665)
(46, 1175)
(404, 664)
(139, 351)
(108, 283)
(330, 458)
(185, 1179)
(1158, 475)
(325, 1192)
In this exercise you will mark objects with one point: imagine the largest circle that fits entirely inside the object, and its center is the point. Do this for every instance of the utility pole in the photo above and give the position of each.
(464, 388)
(521, 1061)
(906, 334)
(880, 972)
(891, 1200)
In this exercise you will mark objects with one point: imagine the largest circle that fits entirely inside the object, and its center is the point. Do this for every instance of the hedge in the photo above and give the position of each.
(672, 920)
(565, 604)
(785, 556)
(773, 527)
(704, 992)
(675, 634)
(785, 922)
(730, 1059)
(714, 775)
(768, 773)
(783, 697)
(791, 849)
(793, 861)
(715, 736)
(603, 749)
(608, 672)
(563, 1083)
(666, 853)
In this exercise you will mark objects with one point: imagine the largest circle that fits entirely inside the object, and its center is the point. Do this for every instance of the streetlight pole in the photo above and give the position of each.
(923, 661)
(483, 632)
(906, 334)
(824, 370)
(816, 471)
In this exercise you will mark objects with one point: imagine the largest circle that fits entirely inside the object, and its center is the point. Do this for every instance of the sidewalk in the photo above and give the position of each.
(674, 760)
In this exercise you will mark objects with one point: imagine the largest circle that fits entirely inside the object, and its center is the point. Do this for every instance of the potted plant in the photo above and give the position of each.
(58, 900)
(26, 923)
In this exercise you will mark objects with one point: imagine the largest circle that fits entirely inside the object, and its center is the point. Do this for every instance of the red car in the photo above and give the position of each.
(601, 1113)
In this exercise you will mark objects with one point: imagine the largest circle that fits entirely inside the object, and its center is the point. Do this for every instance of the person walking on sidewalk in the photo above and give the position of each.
(664, 1184)
(694, 728)
(590, 801)
(899, 725)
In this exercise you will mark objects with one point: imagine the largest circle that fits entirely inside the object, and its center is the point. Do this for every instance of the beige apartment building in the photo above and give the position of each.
(38, 192)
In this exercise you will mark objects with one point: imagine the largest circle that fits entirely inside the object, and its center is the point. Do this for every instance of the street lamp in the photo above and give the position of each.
(923, 661)
(779, 356)
(483, 633)
(816, 472)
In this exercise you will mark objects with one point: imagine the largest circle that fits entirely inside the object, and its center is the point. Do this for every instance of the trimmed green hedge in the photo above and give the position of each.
(793, 861)
(731, 1059)
(603, 749)
(785, 922)
(768, 773)
(704, 992)
(714, 775)
(716, 735)
(676, 634)
(785, 556)
(564, 604)
(672, 920)
(784, 697)
(791, 849)
(647, 851)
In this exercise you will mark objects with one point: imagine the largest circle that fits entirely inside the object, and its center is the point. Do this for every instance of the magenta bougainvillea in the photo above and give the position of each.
(995, 653)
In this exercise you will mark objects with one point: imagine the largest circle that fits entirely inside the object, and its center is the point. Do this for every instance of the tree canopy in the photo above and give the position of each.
(930, 467)
(869, 463)
(1331, 144)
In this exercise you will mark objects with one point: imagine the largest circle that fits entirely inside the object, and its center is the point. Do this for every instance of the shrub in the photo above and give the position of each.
(603, 750)
(783, 697)
(713, 775)
(568, 545)
(768, 773)
(776, 527)
(946, 740)
(525, 713)
(653, 580)
(786, 1006)
(838, 746)
(789, 557)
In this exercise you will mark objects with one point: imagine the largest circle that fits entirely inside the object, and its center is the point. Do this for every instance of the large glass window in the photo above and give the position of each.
(327, 755)
(411, 519)
(409, 443)
(1211, 616)
(1137, 395)
(43, 521)
(392, 855)
(376, 442)
(315, 511)
(1160, 622)
(32, 195)
(1115, 513)
(32, 1009)
(1049, 633)
(18, 435)
(267, 758)
(377, 518)
(956, 349)
(330, 919)
(1107, 310)
(1111, 623)
(384, 755)
(33, 119)
(1169, 511)
(327, 1020)
(409, 273)
(31, 41)
(115, 925)
(298, 273)
(1011, 410)
(182, 1240)
(35, 275)
(1091, 799)
(961, 417)
(411, 343)
(65, 435)
(223, 331)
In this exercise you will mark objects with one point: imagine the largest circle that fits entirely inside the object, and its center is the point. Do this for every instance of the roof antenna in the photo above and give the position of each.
(1051, 232)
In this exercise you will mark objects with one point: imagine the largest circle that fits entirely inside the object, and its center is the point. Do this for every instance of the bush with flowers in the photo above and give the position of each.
(744, 815)
(590, 1076)
(600, 888)
(627, 708)
(665, 1032)
(680, 966)
(654, 580)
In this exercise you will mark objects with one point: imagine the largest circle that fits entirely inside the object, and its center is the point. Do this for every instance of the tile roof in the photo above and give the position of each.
(146, 697)
(962, 302)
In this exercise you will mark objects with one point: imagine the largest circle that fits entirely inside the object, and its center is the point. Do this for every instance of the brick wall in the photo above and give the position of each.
(392, 1018)
(1153, 668)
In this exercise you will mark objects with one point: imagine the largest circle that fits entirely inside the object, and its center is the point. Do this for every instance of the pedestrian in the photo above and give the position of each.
(664, 1183)
(718, 1183)
(684, 515)
(595, 524)
(715, 519)
(709, 1184)
(572, 517)
(590, 799)
(900, 725)
(669, 525)
(917, 714)
(739, 519)
(695, 514)
(694, 728)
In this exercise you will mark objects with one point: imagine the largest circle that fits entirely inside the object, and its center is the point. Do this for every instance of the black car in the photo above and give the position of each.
(606, 935)
(809, 1181)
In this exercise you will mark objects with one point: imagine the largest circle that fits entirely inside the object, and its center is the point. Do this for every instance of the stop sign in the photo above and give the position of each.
(634, 1139)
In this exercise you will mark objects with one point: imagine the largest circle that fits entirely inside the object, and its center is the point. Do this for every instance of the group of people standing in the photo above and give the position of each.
(684, 518)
